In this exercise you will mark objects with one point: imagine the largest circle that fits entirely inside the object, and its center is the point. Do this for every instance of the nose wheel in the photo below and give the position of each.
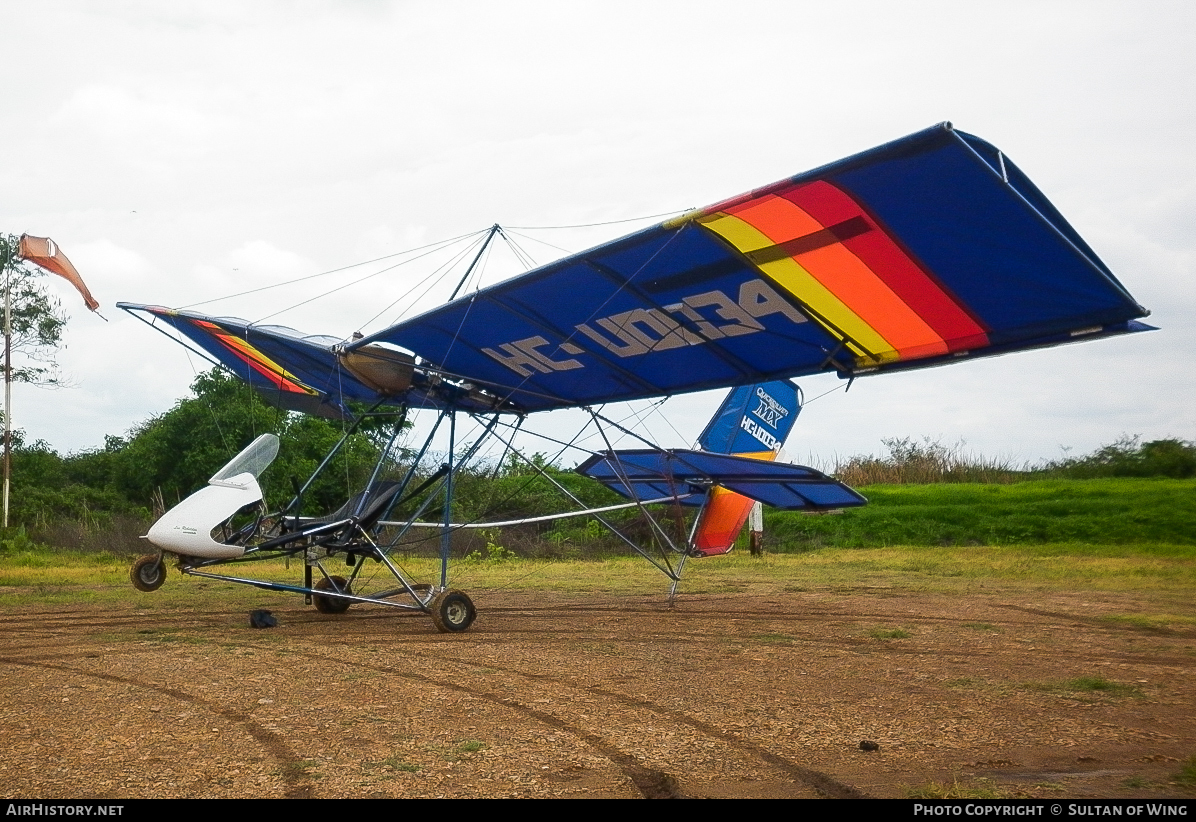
(148, 573)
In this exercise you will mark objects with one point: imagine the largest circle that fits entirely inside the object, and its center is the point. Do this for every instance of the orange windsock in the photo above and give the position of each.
(45, 252)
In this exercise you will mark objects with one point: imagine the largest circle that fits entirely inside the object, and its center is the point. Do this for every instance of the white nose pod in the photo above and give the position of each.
(186, 529)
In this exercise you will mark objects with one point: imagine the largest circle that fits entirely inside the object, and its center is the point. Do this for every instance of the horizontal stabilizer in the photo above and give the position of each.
(645, 473)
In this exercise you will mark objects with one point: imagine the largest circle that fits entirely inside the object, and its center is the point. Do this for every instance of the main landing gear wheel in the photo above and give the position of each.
(148, 573)
(453, 612)
(332, 605)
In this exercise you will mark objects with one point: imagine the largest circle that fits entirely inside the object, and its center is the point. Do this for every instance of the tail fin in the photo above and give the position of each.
(753, 421)
(753, 418)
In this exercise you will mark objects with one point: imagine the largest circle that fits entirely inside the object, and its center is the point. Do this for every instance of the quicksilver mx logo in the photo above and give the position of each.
(770, 411)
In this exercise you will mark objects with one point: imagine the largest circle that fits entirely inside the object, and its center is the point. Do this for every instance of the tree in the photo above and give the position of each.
(38, 321)
(179, 450)
(34, 322)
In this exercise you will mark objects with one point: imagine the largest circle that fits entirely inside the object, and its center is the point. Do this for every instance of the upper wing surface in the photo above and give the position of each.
(922, 251)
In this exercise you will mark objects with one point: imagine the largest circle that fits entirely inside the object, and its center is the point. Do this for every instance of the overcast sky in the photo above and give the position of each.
(180, 152)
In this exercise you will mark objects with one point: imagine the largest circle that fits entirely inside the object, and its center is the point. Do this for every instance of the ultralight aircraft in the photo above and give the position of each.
(928, 250)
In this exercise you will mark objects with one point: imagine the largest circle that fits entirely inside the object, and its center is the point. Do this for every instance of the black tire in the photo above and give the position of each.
(453, 612)
(332, 605)
(148, 573)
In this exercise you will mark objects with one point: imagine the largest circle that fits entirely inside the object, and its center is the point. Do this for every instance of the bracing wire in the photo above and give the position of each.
(632, 412)
(521, 254)
(842, 387)
(553, 246)
(592, 225)
(435, 278)
(657, 409)
(346, 285)
(438, 244)
(525, 259)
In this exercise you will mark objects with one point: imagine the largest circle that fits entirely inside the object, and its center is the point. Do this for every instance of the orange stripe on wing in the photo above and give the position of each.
(915, 286)
(826, 306)
(256, 360)
(819, 249)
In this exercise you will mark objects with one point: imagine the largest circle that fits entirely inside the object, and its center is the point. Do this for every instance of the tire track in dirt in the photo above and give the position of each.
(853, 644)
(824, 784)
(866, 644)
(862, 645)
(54, 623)
(58, 622)
(652, 784)
(824, 613)
(298, 787)
(1097, 622)
(83, 618)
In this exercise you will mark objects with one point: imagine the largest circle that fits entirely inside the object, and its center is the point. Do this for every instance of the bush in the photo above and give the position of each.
(929, 461)
(16, 541)
(1128, 457)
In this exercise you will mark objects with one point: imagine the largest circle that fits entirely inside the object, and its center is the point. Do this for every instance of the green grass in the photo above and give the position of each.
(1109, 512)
(774, 638)
(889, 633)
(394, 763)
(460, 750)
(1167, 570)
(1091, 685)
(1156, 623)
(1102, 534)
(963, 682)
(981, 789)
(1187, 773)
(46, 567)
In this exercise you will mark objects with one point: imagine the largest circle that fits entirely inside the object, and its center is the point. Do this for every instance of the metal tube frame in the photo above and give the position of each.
(310, 541)
(664, 567)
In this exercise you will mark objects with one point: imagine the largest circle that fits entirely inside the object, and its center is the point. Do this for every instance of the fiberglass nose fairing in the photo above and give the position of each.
(187, 528)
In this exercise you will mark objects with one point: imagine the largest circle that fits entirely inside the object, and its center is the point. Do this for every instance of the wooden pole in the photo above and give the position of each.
(756, 530)
(7, 375)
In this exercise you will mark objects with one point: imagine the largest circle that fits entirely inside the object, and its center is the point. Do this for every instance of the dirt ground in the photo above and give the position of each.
(760, 694)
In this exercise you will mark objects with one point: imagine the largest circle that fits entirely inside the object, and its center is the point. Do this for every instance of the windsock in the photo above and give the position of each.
(45, 252)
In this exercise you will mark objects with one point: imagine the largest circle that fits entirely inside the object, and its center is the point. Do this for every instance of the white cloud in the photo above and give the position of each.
(118, 114)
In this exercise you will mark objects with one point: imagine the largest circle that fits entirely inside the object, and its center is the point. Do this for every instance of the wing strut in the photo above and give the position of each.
(672, 573)
(665, 568)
